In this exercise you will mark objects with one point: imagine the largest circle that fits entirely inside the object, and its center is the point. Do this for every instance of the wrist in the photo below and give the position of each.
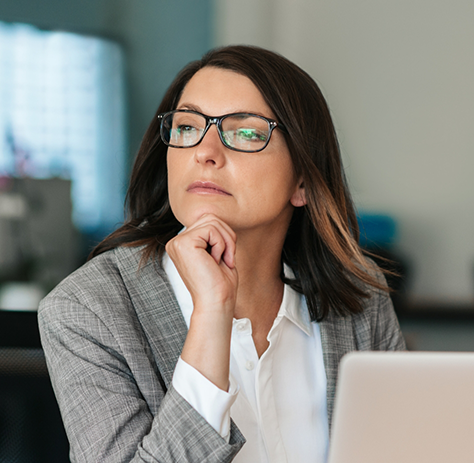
(216, 324)
(216, 310)
(207, 346)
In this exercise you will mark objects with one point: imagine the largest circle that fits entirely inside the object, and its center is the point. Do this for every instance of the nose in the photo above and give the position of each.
(211, 150)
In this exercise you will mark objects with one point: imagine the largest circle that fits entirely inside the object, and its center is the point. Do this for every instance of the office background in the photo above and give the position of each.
(398, 78)
(397, 75)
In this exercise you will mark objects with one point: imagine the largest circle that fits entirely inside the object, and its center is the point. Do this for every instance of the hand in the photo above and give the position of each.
(204, 255)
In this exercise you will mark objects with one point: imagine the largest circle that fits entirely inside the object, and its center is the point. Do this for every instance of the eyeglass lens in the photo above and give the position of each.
(242, 132)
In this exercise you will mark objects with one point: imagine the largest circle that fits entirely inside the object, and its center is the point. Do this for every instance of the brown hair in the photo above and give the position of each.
(321, 245)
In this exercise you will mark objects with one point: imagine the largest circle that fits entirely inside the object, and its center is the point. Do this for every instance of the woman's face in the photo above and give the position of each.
(248, 191)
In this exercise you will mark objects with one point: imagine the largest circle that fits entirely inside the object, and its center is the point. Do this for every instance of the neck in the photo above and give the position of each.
(260, 289)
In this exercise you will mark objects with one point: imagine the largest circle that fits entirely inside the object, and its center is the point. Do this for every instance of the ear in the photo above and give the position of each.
(298, 199)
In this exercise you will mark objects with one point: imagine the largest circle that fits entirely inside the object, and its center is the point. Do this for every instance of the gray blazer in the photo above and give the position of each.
(112, 333)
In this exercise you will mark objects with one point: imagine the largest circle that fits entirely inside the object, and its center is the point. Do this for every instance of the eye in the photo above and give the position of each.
(184, 129)
(185, 134)
(251, 134)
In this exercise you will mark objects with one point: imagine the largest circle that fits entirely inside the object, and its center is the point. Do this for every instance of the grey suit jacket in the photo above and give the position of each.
(112, 333)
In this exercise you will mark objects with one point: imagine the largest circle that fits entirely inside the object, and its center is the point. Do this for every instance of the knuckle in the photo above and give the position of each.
(169, 245)
(174, 246)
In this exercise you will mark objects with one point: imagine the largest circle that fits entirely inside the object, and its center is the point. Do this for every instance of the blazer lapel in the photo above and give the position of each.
(162, 321)
(156, 307)
(337, 339)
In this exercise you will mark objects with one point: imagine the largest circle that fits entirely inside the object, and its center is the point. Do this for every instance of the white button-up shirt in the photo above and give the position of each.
(278, 401)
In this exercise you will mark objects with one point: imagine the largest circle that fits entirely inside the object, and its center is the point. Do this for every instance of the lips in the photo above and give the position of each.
(207, 188)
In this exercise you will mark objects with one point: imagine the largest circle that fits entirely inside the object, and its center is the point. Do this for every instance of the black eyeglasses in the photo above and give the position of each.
(245, 132)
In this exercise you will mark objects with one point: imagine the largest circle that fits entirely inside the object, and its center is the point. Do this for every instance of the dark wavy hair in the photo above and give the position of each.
(321, 245)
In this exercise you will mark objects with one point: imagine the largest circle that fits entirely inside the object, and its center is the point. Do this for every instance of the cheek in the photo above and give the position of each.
(173, 183)
(270, 186)
(175, 167)
(276, 177)
(178, 177)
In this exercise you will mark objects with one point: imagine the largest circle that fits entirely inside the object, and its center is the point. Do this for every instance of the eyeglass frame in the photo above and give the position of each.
(217, 121)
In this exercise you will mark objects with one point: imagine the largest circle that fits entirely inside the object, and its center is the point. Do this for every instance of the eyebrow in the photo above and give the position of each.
(192, 107)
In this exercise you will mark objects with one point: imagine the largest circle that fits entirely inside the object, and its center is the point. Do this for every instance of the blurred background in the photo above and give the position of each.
(80, 81)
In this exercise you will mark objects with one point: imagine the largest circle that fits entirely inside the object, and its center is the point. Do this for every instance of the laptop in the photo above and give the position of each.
(404, 407)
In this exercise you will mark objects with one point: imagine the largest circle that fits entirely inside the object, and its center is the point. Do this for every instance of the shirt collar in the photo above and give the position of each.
(293, 305)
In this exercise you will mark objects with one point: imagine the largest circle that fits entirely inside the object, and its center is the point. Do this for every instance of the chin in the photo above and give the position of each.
(193, 215)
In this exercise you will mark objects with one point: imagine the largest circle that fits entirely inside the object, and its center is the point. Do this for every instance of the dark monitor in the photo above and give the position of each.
(31, 429)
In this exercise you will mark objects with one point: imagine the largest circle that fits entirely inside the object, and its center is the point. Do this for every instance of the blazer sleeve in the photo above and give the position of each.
(106, 416)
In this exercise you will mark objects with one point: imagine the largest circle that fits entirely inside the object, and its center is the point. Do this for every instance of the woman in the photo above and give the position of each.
(222, 306)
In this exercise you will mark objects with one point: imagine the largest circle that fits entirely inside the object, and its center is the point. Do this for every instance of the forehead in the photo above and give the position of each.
(216, 92)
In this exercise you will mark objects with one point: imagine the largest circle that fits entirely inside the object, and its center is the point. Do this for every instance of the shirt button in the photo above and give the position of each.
(249, 365)
(242, 326)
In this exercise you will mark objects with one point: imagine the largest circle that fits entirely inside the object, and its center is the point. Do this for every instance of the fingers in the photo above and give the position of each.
(212, 234)
(204, 255)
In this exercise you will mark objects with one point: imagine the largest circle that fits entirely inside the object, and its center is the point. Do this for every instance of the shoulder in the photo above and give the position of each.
(377, 327)
(378, 304)
(99, 277)
(108, 280)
